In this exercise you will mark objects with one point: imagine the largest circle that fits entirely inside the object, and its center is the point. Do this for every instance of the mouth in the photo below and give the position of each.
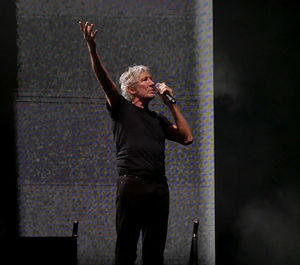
(152, 93)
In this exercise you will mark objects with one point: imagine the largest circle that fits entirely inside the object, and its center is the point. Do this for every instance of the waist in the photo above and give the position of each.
(158, 177)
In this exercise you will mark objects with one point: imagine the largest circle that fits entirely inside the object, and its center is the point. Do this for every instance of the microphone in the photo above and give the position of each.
(170, 98)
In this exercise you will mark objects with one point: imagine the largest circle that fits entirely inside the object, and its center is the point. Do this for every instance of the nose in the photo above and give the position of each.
(151, 82)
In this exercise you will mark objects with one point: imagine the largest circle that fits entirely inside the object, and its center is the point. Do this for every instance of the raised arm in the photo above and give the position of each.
(179, 132)
(110, 89)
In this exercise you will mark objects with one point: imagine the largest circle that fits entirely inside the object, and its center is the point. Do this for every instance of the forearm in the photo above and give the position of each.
(183, 129)
(101, 72)
(110, 89)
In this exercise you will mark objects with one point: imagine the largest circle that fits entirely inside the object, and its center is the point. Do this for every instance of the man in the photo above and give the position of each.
(142, 202)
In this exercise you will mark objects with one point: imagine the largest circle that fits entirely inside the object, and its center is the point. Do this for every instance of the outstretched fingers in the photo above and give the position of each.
(93, 34)
(88, 30)
(81, 26)
(85, 30)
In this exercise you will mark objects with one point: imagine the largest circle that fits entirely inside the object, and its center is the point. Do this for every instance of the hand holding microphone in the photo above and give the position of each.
(164, 90)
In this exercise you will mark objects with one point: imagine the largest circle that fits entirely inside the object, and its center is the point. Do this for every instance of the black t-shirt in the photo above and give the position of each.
(139, 136)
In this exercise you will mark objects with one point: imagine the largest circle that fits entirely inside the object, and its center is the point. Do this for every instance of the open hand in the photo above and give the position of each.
(88, 33)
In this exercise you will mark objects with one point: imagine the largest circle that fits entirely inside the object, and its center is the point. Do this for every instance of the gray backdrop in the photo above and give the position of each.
(65, 146)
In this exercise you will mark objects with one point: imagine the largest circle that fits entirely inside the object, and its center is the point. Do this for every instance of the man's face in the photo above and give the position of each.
(144, 88)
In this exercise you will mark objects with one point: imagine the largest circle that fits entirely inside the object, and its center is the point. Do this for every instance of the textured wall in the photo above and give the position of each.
(65, 146)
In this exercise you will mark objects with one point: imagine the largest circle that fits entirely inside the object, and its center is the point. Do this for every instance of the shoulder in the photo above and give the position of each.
(163, 119)
(122, 109)
(121, 101)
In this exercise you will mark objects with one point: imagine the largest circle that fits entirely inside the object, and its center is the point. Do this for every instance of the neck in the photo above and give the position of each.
(141, 103)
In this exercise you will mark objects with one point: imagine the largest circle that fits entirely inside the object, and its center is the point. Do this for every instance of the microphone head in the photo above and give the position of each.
(157, 85)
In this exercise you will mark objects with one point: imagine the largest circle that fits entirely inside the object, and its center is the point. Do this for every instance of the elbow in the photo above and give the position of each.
(189, 140)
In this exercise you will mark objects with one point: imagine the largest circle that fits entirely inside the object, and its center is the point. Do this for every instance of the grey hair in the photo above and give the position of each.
(129, 79)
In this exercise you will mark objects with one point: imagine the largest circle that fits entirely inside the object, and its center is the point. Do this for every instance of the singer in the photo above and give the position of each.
(142, 201)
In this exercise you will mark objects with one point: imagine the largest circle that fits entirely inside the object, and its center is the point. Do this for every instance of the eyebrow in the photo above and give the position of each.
(147, 76)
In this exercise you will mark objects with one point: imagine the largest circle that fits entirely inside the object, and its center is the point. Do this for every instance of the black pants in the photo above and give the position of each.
(142, 205)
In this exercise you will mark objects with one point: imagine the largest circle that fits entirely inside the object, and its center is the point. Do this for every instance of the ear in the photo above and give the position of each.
(131, 90)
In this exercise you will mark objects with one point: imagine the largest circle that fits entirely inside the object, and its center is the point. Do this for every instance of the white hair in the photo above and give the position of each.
(129, 79)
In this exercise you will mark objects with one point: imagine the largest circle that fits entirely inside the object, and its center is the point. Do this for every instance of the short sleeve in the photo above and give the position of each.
(165, 123)
(114, 112)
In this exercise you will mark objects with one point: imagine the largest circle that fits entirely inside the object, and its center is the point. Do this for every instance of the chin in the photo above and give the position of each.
(149, 97)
